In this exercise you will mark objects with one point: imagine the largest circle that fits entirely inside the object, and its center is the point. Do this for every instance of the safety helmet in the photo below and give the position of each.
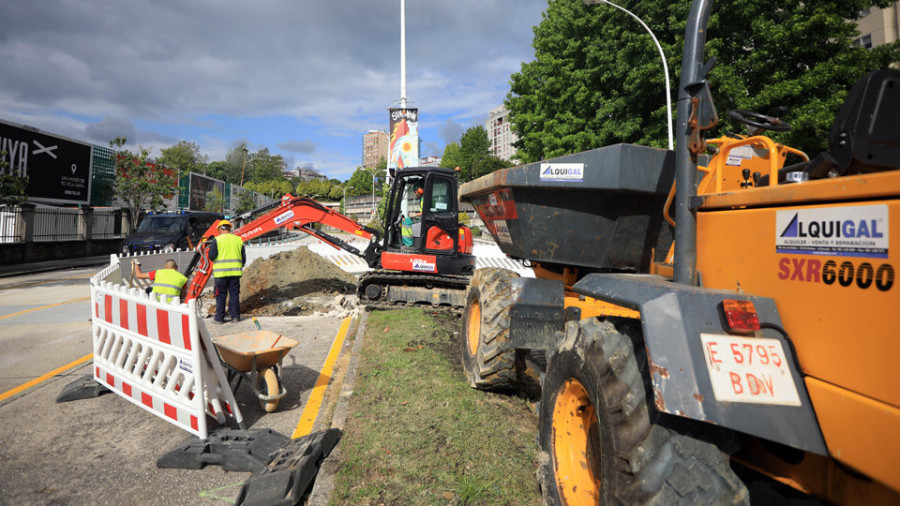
(420, 191)
(224, 223)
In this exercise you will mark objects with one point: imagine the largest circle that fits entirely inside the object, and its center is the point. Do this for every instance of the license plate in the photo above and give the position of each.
(749, 369)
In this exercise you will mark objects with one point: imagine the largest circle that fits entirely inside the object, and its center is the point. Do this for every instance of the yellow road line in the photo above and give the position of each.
(311, 411)
(26, 386)
(45, 307)
(35, 283)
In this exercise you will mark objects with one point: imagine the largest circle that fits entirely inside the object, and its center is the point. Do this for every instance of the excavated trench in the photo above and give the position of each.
(295, 283)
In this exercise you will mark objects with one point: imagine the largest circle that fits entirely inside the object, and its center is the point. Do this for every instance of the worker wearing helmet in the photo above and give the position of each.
(167, 281)
(228, 256)
(415, 218)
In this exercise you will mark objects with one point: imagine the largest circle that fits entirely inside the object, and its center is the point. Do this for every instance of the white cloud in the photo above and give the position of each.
(211, 70)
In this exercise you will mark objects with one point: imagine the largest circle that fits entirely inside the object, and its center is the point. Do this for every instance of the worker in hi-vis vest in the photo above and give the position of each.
(228, 256)
(167, 281)
(416, 226)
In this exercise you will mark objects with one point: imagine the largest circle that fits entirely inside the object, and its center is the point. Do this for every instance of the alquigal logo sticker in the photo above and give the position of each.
(562, 171)
(283, 217)
(423, 265)
(854, 231)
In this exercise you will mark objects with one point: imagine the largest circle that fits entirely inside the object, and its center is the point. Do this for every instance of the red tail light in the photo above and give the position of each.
(740, 315)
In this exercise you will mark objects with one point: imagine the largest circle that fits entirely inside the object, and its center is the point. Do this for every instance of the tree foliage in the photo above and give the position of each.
(451, 158)
(474, 146)
(274, 189)
(360, 183)
(140, 184)
(315, 189)
(12, 187)
(597, 77)
(472, 155)
(184, 156)
(265, 166)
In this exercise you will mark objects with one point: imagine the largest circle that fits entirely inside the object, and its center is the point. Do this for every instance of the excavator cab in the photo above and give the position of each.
(422, 231)
(424, 202)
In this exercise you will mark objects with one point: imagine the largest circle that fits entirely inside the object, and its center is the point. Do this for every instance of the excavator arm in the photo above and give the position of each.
(292, 213)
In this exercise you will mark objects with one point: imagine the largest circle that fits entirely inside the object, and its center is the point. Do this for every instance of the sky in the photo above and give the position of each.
(304, 78)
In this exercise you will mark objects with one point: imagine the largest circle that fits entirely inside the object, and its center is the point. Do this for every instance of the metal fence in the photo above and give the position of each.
(10, 225)
(59, 224)
(107, 224)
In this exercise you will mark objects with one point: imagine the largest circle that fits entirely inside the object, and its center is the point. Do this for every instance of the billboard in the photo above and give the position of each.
(403, 150)
(207, 194)
(59, 169)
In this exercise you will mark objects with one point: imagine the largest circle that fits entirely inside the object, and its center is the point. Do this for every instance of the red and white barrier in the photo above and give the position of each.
(154, 351)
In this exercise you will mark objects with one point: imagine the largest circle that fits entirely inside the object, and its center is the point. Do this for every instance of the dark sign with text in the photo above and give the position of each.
(58, 169)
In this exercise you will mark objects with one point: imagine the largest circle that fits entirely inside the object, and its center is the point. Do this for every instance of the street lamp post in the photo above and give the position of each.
(662, 55)
(244, 164)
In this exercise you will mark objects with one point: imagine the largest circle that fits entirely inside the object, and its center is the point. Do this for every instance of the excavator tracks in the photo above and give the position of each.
(391, 290)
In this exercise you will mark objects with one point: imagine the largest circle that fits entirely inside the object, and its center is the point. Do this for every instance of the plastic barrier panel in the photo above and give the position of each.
(348, 262)
(149, 350)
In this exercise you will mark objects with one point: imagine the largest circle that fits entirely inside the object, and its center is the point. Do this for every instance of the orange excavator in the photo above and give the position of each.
(429, 262)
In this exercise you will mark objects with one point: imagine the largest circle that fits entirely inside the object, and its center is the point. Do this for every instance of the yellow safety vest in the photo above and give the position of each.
(169, 282)
(228, 263)
(406, 231)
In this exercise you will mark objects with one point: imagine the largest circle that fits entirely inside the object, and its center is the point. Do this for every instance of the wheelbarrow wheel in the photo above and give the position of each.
(268, 386)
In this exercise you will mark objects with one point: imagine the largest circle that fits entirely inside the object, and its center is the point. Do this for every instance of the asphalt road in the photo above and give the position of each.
(104, 450)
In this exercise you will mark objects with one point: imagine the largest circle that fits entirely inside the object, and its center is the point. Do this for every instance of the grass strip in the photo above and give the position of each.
(417, 434)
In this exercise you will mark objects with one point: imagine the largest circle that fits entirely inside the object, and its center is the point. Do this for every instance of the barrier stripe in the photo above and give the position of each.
(179, 414)
(45, 377)
(311, 411)
(142, 320)
(123, 313)
(162, 326)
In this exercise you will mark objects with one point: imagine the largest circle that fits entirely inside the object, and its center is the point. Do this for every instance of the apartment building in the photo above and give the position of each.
(500, 135)
(878, 26)
(375, 147)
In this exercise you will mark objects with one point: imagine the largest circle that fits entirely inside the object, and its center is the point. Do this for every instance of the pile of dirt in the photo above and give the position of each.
(296, 282)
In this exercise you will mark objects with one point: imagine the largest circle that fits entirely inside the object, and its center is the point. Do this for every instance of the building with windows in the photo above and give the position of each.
(500, 135)
(375, 147)
(878, 26)
(308, 174)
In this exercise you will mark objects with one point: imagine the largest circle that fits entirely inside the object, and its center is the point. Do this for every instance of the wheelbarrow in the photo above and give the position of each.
(256, 357)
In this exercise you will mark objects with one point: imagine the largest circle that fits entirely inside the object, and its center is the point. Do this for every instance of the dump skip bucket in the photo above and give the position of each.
(600, 209)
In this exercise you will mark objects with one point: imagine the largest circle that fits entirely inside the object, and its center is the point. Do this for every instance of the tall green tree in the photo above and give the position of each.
(597, 78)
(217, 170)
(266, 166)
(474, 146)
(184, 156)
(238, 166)
(451, 158)
(139, 183)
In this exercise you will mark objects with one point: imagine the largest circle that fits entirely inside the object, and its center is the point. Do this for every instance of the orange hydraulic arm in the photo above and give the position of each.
(293, 213)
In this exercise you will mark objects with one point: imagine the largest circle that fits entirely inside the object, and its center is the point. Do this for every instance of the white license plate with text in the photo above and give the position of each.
(749, 369)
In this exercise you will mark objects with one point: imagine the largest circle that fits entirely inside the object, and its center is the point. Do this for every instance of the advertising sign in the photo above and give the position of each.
(59, 169)
(850, 231)
(207, 194)
(403, 150)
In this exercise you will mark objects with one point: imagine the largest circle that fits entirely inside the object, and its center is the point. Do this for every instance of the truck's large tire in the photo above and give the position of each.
(487, 358)
(599, 443)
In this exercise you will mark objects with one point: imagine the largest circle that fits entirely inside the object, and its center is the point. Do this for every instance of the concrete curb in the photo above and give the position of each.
(52, 265)
(324, 484)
